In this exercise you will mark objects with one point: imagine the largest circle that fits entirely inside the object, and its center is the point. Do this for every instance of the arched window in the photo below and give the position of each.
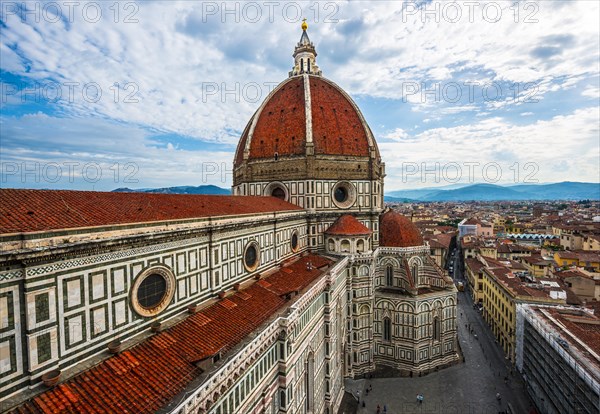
(415, 272)
(345, 246)
(387, 329)
(282, 399)
(301, 65)
(331, 245)
(308, 64)
(436, 329)
(279, 193)
(389, 275)
(309, 376)
(360, 245)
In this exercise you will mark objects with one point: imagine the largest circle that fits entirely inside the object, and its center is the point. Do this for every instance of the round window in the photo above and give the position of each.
(251, 257)
(341, 194)
(344, 194)
(152, 291)
(294, 241)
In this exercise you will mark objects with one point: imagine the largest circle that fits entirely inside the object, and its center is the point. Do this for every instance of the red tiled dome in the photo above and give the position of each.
(280, 124)
(396, 230)
(347, 225)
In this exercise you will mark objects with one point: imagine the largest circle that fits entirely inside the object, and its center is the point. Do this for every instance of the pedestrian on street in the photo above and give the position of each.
(384, 408)
(378, 409)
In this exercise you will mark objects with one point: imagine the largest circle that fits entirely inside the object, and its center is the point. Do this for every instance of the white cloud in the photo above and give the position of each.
(550, 146)
(184, 62)
(502, 51)
(126, 156)
(591, 92)
(177, 53)
(397, 135)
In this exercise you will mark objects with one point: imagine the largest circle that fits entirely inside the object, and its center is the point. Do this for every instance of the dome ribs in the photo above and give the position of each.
(281, 119)
(337, 127)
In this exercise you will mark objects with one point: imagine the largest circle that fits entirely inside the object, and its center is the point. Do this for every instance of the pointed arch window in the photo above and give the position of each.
(309, 374)
(415, 272)
(282, 399)
(436, 329)
(389, 275)
(387, 329)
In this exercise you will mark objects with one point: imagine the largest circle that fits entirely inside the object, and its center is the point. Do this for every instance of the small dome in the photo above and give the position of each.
(396, 230)
(347, 225)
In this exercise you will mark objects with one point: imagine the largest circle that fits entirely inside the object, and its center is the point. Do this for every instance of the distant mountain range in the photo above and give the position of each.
(476, 192)
(490, 192)
(184, 189)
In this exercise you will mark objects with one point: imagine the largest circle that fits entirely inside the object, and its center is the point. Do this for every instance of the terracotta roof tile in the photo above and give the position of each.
(243, 295)
(226, 303)
(281, 126)
(147, 376)
(474, 264)
(298, 275)
(440, 241)
(583, 326)
(396, 230)
(348, 225)
(24, 211)
(337, 128)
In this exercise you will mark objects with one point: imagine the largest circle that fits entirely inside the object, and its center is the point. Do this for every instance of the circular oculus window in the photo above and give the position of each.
(251, 257)
(344, 194)
(152, 291)
(341, 194)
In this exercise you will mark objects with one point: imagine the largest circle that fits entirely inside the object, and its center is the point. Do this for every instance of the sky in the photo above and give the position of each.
(102, 95)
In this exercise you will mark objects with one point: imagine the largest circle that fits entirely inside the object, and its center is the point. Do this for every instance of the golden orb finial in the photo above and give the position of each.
(304, 24)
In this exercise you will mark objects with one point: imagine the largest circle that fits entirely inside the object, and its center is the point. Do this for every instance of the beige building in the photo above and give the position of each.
(584, 285)
(538, 265)
(503, 290)
(591, 242)
(474, 273)
(474, 226)
(439, 245)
